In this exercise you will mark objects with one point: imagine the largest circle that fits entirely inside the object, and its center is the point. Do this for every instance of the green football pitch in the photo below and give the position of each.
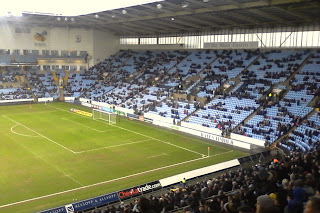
(50, 156)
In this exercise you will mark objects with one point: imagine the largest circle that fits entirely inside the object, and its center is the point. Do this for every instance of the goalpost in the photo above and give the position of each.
(109, 117)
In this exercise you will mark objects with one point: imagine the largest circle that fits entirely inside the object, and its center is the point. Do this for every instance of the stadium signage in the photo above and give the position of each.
(80, 112)
(149, 120)
(132, 116)
(217, 138)
(61, 209)
(138, 190)
(125, 194)
(149, 187)
(97, 201)
(231, 45)
(38, 44)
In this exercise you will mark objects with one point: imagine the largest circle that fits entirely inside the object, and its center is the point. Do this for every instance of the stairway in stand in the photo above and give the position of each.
(61, 96)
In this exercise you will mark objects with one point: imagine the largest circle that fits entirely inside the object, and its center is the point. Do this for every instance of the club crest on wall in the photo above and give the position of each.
(41, 37)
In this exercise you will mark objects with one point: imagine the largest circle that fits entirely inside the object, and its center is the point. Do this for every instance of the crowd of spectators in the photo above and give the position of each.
(16, 93)
(8, 77)
(285, 185)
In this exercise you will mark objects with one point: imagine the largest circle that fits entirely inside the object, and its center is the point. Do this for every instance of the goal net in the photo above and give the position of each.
(109, 117)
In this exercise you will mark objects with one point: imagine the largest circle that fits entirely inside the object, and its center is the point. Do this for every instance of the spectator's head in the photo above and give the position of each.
(313, 205)
(264, 202)
(298, 194)
(285, 183)
(143, 204)
(263, 174)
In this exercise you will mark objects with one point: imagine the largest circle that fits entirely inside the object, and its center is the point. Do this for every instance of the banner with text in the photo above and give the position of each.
(139, 190)
(61, 209)
(80, 112)
(97, 201)
(231, 45)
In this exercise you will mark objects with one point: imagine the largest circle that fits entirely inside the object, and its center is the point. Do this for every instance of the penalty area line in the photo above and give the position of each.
(189, 150)
(39, 134)
(109, 181)
(106, 147)
(85, 125)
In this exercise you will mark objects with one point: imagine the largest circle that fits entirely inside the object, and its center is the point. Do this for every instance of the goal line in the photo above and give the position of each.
(109, 117)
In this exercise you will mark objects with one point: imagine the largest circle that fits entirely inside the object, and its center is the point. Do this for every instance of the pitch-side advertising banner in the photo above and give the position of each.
(97, 201)
(80, 112)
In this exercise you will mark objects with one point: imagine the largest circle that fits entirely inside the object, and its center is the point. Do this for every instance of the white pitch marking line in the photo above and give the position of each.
(154, 156)
(112, 146)
(158, 140)
(139, 134)
(21, 133)
(39, 134)
(109, 181)
(72, 179)
(85, 125)
(171, 132)
(47, 162)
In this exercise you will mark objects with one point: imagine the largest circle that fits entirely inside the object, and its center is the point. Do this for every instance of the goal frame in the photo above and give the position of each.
(110, 118)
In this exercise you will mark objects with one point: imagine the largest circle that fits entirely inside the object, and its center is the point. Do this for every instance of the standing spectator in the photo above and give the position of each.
(313, 205)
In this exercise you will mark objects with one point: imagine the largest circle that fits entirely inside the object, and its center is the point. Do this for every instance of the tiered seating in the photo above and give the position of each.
(277, 66)
(229, 64)
(276, 120)
(232, 62)
(15, 93)
(176, 110)
(194, 63)
(99, 89)
(7, 77)
(119, 94)
(273, 121)
(119, 59)
(38, 89)
(224, 112)
(142, 92)
(146, 100)
(305, 137)
(47, 81)
(78, 84)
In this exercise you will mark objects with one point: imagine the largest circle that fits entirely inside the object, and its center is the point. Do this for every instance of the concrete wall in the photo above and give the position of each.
(104, 44)
(98, 44)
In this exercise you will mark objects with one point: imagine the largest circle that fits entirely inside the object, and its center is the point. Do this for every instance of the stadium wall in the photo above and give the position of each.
(45, 38)
(98, 44)
(104, 44)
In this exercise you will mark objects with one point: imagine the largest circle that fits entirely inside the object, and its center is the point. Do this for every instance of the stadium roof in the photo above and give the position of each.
(181, 16)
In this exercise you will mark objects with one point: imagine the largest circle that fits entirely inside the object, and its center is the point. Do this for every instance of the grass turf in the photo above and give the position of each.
(46, 149)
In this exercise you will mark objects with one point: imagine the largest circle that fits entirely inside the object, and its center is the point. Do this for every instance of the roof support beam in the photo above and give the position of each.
(269, 16)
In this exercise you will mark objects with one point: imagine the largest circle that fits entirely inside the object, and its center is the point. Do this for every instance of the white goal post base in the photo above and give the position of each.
(109, 117)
